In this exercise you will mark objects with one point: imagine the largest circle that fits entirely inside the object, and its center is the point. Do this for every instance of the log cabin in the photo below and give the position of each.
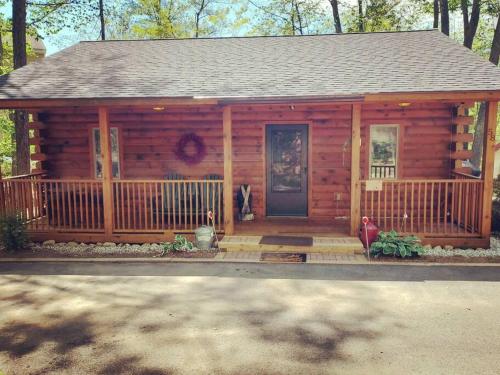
(136, 140)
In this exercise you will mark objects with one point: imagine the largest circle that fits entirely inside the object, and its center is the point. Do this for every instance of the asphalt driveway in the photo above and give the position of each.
(82, 318)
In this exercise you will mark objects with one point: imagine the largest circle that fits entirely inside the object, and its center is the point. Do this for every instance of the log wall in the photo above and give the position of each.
(148, 138)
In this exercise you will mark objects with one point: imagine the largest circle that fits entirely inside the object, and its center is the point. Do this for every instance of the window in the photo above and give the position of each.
(383, 151)
(115, 153)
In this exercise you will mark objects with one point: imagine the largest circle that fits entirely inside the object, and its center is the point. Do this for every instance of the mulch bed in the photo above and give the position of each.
(437, 259)
(49, 253)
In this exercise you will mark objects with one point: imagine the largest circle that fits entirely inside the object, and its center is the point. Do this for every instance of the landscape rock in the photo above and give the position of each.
(109, 244)
(49, 243)
(72, 243)
(448, 247)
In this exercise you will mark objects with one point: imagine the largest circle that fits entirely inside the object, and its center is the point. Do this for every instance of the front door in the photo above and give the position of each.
(286, 165)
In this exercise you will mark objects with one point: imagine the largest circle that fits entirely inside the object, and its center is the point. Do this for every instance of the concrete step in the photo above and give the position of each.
(340, 245)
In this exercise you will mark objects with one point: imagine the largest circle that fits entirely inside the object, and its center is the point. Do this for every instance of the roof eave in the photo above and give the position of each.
(452, 96)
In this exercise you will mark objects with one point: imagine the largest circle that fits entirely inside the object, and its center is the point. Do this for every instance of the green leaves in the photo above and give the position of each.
(180, 243)
(391, 243)
(13, 233)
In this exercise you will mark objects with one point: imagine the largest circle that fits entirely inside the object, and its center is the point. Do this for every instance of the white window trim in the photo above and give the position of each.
(397, 126)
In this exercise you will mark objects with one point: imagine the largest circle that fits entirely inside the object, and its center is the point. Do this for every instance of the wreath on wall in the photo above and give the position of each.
(199, 145)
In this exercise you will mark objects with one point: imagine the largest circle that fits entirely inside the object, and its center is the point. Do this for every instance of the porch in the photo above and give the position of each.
(155, 209)
(66, 201)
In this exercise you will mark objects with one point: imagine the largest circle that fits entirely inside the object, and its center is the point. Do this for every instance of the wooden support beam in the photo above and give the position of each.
(462, 120)
(36, 125)
(38, 156)
(355, 167)
(463, 137)
(107, 190)
(490, 125)
(461, 155)
(227, 125)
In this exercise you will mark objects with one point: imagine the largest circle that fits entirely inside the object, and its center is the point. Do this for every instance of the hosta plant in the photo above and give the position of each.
(180, 243)
(391, 243)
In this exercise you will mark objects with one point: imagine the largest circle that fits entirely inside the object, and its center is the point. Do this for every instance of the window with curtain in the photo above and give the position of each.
(384, 151)
(115, 152)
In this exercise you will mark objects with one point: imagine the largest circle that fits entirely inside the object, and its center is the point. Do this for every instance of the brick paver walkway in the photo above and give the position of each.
(254, 256)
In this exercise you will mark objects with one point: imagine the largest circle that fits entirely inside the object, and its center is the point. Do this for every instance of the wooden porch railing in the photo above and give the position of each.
(139, 206)
(428, 207)
(158, 205)
(58, 205)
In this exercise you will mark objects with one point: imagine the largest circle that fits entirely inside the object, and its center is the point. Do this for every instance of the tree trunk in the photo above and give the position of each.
(22, 157)
(299, 19)
(336, 16)
(436, 14)
(101, 17)
(477, 145)
(445, 17)
(495, 46)
(361, 25)
(470, 26)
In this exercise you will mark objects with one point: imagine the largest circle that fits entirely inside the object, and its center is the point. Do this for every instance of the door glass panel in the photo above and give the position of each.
(286, 161)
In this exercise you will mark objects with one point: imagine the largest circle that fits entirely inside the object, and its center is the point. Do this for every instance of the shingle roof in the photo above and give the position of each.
(305, 66)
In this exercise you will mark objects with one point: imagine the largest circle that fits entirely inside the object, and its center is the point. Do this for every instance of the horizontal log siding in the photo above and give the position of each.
(148, 139)
(329, 131)
(425, 137)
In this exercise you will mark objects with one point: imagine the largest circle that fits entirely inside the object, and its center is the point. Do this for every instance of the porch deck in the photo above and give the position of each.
(153, 210)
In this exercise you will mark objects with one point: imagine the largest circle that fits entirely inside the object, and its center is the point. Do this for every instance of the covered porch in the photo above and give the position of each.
(148, 202)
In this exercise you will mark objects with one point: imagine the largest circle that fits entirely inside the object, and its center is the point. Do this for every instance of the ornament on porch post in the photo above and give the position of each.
(244, 198)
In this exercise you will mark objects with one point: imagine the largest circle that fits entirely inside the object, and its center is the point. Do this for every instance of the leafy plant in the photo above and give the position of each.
(180, 243)
(391, 243)
(13, 233)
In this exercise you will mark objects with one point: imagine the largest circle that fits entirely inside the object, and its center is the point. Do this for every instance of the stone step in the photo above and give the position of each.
(340, 245)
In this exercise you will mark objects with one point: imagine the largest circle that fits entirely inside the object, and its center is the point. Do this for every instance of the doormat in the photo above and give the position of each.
(286, 241)
(283, 257)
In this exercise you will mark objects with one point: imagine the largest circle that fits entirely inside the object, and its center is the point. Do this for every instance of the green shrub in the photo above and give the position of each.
(391, 243)
(180, 243)
(495, 216)
(13, 233)
(495, 209)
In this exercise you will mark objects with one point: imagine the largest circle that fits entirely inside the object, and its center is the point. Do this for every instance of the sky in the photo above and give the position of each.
(67, 37)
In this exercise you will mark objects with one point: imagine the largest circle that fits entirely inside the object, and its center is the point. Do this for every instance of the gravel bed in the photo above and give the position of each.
(107, 249)
(73, 248)
(449, 251)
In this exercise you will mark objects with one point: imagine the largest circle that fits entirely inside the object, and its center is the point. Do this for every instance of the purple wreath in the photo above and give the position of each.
(180, 149)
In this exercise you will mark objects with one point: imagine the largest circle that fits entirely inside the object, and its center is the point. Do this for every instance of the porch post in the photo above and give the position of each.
(107, 190)
(490, 125)
(227, 125)
(355, 160)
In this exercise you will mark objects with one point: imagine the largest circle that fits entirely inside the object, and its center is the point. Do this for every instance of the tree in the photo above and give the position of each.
(470, 25)
(435, 24)
(361, 26)
(289, 17)
(336, 16)
(477, 145)
(445, 17)
(101, 19)
(21, 163)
